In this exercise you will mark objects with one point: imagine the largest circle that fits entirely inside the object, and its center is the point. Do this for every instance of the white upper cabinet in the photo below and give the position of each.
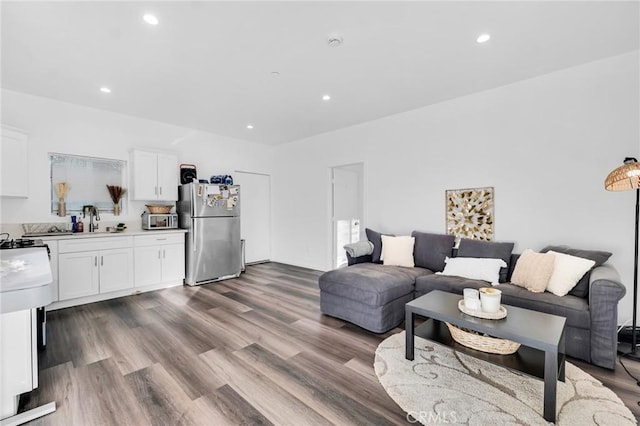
(168, 177)
(13, 163)
(154, 176)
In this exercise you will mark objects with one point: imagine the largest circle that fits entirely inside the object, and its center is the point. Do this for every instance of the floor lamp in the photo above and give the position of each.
(624, 178)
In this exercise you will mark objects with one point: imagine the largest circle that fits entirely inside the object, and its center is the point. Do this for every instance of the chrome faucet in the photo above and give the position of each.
(92, 211)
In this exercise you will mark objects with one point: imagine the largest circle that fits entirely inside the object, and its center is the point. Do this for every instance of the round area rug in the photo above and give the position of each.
(443, 386)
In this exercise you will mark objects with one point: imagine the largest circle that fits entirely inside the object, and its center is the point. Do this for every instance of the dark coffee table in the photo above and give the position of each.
(541, 336)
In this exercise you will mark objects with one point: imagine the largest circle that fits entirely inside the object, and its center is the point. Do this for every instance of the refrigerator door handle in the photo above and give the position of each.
(192, 204)
(193, 235)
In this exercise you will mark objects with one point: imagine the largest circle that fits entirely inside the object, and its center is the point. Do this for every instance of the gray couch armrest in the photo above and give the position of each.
(605, 291)
(360, 259)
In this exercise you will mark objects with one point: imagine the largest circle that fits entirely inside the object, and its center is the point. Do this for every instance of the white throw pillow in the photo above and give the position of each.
(567, 271)
(398, 251)
(474, 268)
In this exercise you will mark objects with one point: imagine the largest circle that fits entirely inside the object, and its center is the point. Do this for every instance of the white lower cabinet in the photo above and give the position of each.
(85, 270)
(173, 262)
(116, 270)
(90, 269)
(77, 275)
(158, 258)
(148, 269)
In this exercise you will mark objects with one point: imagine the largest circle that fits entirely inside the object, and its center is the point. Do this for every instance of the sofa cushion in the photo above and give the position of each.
(490, 249)
(600, 257)
(575, 309)
(533, 270)
(371, 283)
(376, 239)
(567, 271)
(398, 251)
(431, 249)
(451, 284)
(475, 268)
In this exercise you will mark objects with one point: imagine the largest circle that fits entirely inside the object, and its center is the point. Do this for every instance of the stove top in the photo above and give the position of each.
(20, 243)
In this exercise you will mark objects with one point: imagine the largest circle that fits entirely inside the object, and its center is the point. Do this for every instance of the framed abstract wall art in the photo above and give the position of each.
(470, 213)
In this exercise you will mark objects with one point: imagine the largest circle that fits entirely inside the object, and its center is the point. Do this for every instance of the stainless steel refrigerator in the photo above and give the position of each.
(211, 215)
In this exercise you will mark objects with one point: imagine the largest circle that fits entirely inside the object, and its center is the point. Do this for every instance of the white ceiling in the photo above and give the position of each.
(208, 65)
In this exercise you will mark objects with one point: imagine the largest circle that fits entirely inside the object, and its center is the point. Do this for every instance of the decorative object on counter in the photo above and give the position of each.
(61, 189)
(80, 226)
(74, 224)
(116, 192)
(188, 173)
(118, 228)
(470, 213)
(159, 208)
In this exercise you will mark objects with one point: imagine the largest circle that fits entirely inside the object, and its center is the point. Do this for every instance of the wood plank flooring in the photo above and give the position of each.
(254, 350)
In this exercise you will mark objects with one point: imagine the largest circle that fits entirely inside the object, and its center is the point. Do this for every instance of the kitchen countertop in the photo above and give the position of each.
(104, 234)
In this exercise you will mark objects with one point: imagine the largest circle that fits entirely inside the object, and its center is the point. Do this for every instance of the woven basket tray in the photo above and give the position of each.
(159, 209)
(482, 343)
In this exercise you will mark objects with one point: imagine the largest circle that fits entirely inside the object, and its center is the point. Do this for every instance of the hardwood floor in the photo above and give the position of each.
(254, 350)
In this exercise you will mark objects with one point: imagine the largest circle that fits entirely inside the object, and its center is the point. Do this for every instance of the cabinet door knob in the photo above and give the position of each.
(101, 260)
(95, 261)
(159, 256)
(164, 254)
(160, 190)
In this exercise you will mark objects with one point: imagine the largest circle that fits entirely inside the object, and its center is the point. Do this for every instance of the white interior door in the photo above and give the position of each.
(347, 209)
(255, 215)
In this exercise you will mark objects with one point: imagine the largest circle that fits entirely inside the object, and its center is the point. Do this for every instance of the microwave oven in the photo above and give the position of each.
(159, 221)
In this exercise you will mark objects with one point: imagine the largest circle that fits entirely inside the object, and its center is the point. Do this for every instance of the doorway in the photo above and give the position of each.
(255, 215)
(347, 211)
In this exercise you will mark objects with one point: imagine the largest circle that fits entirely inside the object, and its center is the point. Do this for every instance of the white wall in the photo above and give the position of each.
(72, 129)
(545, 145)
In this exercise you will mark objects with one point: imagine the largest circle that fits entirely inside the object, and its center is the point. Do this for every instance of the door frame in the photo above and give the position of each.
(332, 220)
(270, 176)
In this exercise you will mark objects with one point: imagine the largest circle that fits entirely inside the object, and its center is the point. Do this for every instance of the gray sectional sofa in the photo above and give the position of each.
(372, 295)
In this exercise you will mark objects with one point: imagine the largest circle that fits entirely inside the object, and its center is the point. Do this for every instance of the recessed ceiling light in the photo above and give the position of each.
(275, 74)
(326, 97)
(150, 19)
(249, 126)
(483, 38)
(105, 90)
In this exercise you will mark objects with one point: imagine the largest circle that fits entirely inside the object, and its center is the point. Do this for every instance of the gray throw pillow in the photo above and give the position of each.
(430, 249)
(487, 249)
(376, 240)
(600, 257)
